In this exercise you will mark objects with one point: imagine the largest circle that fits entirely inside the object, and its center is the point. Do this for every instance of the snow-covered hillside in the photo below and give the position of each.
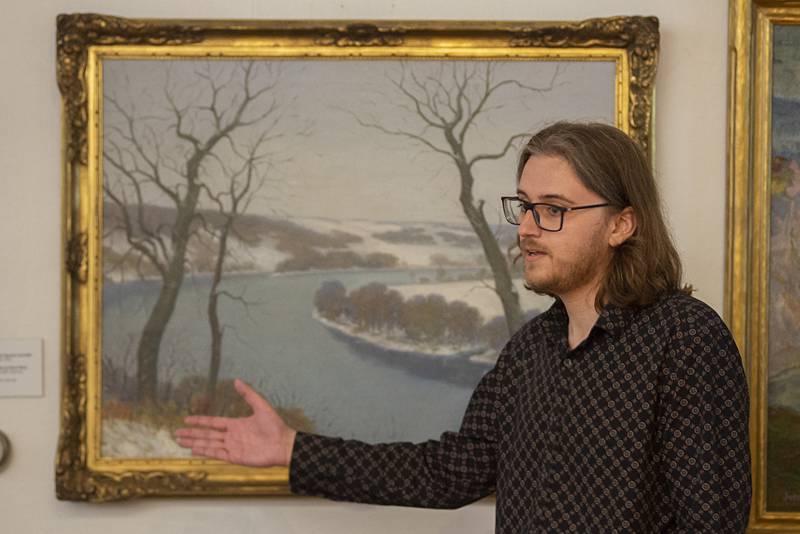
(268, 244)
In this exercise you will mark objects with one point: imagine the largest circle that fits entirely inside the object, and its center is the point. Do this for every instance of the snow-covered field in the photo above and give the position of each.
(438, 350)
(412, 255)
(264, 257)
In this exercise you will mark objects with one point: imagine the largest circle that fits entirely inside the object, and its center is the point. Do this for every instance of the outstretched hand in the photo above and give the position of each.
(259, 440)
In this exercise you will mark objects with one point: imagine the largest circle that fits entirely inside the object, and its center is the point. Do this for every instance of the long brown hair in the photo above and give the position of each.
(609, 163)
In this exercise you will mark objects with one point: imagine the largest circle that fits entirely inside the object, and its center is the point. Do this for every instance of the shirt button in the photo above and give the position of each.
(568, 362)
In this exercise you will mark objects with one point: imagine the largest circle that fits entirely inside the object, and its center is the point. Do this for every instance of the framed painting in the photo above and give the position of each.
(311, 206)
(764, 246)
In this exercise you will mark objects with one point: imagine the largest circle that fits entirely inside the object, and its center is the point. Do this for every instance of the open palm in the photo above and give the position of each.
(259, 440)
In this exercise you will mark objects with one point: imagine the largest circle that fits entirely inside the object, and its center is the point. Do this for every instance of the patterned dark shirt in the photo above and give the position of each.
(641, 428)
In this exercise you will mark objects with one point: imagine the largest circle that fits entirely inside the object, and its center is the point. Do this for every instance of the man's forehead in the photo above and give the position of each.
(545, 197)
(550, 178)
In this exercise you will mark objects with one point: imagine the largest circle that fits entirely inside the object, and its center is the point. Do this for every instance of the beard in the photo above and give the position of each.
(563, 276)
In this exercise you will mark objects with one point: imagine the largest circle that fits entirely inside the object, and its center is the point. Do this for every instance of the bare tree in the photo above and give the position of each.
(447, 106)
(241, 186)
(162, 156)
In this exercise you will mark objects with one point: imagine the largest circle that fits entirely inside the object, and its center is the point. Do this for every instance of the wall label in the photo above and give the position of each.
(21, 368)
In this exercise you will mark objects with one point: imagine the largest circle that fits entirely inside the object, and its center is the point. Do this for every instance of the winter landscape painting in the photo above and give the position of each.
(328, 230)
(783, 426)
(310, 206)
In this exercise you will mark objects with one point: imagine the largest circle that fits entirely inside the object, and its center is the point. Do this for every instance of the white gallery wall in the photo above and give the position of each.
(690, 164)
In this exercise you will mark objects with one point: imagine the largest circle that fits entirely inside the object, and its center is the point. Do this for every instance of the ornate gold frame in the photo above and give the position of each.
(747, 277)
(85, 39)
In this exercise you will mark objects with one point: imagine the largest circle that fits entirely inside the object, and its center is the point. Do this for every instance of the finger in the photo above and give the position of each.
(216, 453)
(184, 442)
(191, 443)
(251, 396)
(200, 433)
(219, 423)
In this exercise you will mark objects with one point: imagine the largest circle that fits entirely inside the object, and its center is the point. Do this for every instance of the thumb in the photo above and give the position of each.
(250, 396)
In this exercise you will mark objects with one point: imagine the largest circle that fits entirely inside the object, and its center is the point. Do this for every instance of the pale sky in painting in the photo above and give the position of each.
(784, 337)
(786, 66)
(342, 170)
(786, 86)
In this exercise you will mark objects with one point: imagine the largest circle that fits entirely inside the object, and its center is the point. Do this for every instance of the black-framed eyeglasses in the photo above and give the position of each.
(548, 217)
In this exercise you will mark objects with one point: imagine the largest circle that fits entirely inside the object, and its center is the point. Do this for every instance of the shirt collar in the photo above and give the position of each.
(612, 319)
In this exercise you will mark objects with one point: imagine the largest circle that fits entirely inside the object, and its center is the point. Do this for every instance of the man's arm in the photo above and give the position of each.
(703, 422)
(455, 470)
(447, 473)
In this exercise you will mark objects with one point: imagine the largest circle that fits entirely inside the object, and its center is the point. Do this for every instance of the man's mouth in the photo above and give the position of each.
(533, 253)
(530, 249)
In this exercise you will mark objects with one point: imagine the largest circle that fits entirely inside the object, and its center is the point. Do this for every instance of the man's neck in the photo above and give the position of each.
(581, 312)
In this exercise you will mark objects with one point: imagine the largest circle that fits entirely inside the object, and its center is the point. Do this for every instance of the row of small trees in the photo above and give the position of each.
(423, 318)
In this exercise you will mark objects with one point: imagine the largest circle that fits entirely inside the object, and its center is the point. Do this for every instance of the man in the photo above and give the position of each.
(623, 408)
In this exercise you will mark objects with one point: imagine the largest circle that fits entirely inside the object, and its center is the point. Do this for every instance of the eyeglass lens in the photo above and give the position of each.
(547, 217)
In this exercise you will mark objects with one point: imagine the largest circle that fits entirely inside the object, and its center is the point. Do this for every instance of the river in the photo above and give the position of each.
(276, 345)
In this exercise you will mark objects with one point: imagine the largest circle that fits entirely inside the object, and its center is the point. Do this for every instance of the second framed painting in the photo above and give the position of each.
(311, 206)
(764, 242)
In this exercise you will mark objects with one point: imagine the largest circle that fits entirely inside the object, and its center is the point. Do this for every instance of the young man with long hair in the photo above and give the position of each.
(623, 408)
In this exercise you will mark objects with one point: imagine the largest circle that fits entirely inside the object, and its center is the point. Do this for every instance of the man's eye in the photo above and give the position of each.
(553, 210)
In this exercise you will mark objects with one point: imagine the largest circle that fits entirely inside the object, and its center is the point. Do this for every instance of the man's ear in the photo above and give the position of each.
(622, 227)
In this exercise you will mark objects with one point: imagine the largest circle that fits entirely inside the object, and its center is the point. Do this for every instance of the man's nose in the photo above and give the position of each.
(527, 225)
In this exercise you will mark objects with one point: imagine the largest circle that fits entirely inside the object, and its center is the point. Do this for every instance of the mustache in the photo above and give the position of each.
(530, 244)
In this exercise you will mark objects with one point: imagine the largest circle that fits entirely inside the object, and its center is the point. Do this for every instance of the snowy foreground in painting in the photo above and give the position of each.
(129, 439)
